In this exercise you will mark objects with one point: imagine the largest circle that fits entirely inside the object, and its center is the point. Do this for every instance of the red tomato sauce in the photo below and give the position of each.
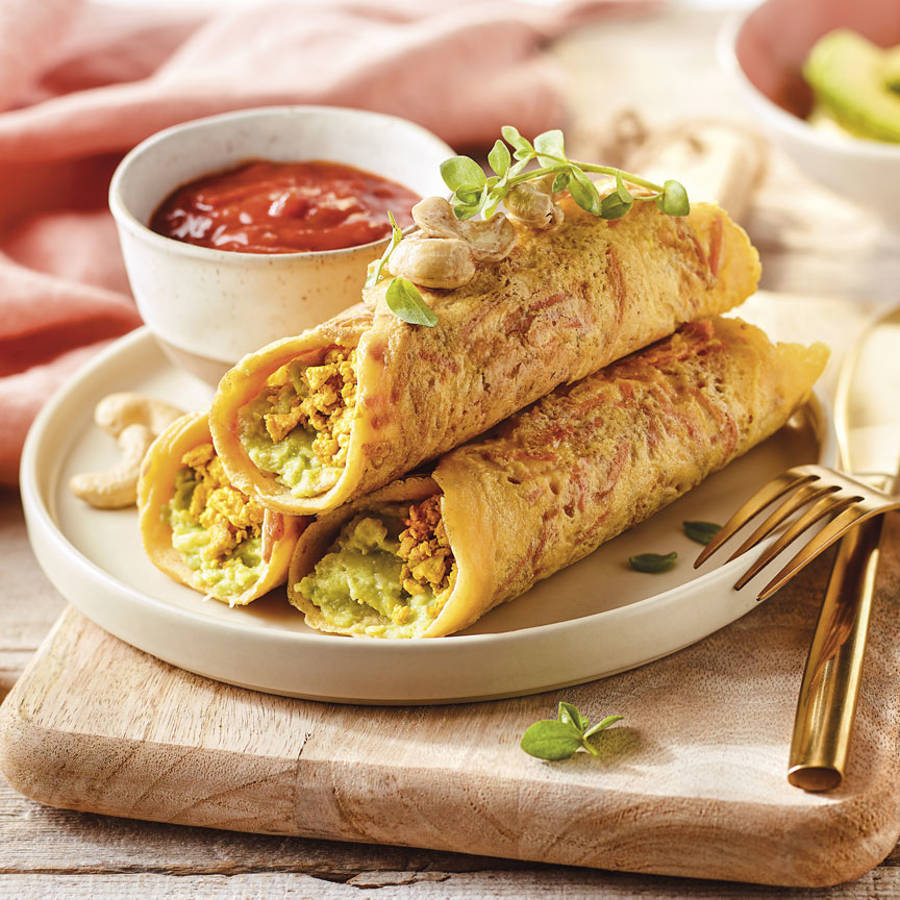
(272, 207)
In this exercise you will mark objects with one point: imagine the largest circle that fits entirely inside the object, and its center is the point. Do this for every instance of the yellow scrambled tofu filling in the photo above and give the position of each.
(391, 570)
(299, 427)
(216, 528)
(425, 549)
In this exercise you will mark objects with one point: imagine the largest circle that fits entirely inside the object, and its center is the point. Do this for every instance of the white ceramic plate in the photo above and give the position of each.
(593, 619)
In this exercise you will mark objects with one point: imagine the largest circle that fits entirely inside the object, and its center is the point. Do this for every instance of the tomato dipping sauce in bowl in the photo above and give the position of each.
(251, 226)
(277, 207)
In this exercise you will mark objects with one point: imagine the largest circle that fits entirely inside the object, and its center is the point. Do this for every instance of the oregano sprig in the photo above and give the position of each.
(562, 737)
(475, 192)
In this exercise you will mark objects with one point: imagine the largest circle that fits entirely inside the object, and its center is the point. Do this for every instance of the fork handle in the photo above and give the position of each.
(830, 687)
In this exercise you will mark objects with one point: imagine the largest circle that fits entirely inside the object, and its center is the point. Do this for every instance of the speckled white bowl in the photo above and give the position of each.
(206, 307)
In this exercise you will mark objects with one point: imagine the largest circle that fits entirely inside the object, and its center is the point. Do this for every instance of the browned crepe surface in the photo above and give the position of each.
(562, 305)
(592, 459)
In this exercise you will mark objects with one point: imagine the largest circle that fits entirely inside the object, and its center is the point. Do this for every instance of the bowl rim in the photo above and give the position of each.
(726, 49)
(126, 220)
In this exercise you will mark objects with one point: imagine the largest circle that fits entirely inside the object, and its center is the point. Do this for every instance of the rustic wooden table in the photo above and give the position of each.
(812, 243)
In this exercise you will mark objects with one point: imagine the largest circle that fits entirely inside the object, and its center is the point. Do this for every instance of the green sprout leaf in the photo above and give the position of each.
(474, 193)
(673, 200)
(499, 158)
(568, 714)
(622, 192)
(614, 207)
(584, 192)
(618, 202)
(521, 145)
(377, 271)
(550, 144)
(461, 171)
(561, 738)
(469, 194)
(466, 210)
(701, 532)
(561, 182)
(406, 303)
(602, 725)
(551, 740)
(494, 199)
(652, 562)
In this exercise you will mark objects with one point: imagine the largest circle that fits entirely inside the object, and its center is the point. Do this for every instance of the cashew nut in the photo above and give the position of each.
(134, 420)
(490, 239)
(434, 262)
(117, 487)
(435, 218)
(532, 204)
(116, 412)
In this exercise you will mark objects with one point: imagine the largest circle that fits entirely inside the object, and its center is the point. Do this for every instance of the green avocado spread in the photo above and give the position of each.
(298, 428)
(358, 581)
(226, 576)
(856, 86)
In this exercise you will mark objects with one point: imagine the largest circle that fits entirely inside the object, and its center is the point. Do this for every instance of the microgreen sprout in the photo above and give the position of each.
(562, 737)
(476, 193)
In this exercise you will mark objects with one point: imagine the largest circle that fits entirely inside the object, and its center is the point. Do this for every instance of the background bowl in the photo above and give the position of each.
(207, 307)
(765, 50)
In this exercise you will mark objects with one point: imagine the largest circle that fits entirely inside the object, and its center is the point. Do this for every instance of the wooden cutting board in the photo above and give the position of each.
(691, 783)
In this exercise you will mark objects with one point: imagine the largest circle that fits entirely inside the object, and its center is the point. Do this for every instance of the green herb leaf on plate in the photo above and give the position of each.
(560, 738)
(521, 146)
(406, 303)
(561, 182)
(568, 714)
(551, 739)
(624, 194)
(468, 194)
(548, 145)
(613, 207)
(701, 532)
(673, 200)
(652, 562)
(584, 192)
(602, 725)
(461, 170)
(499, 158)
(618, 202)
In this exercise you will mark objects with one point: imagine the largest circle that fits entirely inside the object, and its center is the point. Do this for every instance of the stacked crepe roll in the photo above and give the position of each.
(201, 530)
(330, 423)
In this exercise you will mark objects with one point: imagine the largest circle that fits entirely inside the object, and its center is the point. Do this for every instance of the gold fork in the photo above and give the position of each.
(825, 492)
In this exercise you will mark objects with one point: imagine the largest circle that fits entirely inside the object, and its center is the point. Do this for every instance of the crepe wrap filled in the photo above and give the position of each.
(555, 481)
(252, 559)
(560, 306)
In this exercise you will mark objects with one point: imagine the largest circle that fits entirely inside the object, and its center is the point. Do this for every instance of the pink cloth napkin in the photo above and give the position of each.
(80, 84)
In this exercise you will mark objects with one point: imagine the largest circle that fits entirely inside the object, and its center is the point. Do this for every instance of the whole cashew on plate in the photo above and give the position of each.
(134, 420)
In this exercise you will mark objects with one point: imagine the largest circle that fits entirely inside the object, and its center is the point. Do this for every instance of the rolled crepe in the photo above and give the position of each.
(429, 555)
(309, 422)
(199, 529)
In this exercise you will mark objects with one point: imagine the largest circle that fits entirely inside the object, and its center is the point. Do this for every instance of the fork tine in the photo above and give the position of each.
(822, 507)
(758, 502)
(832, 532)
(804, 494)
